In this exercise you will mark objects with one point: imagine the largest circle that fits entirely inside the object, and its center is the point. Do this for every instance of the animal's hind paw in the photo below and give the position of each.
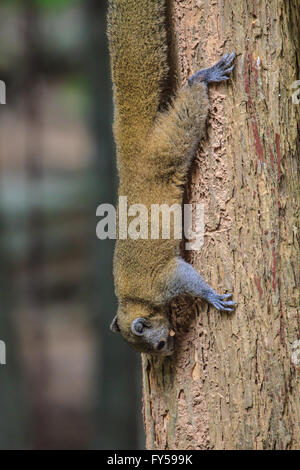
(217, 73)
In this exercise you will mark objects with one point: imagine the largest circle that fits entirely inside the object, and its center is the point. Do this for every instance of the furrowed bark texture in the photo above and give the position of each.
(233, 382)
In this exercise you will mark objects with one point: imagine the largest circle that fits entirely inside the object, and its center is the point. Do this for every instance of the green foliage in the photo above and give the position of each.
(45, 4)
(54, 3)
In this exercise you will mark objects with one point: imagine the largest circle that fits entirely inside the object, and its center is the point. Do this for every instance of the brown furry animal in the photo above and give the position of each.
(154, 152)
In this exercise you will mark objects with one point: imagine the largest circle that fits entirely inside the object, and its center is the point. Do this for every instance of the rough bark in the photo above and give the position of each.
(233, 382)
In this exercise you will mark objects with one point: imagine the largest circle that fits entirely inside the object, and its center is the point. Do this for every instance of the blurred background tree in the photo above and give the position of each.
(68, 382)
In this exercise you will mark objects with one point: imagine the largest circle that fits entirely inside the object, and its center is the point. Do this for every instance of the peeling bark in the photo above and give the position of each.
(233, 383)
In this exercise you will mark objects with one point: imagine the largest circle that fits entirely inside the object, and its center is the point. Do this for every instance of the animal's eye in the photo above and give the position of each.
(139, 327)
(160, 345)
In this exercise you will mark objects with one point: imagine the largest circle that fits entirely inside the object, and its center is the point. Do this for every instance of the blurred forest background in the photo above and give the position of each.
(68, 382)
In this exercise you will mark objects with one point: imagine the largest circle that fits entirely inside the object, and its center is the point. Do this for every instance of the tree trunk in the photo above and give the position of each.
(234, 380)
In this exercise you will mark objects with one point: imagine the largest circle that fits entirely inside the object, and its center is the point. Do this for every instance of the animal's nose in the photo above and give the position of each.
(161, 345)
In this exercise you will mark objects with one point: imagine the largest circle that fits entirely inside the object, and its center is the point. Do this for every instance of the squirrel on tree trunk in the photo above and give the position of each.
(155, 147)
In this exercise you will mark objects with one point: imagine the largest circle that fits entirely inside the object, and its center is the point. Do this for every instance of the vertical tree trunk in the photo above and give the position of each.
(234, 380)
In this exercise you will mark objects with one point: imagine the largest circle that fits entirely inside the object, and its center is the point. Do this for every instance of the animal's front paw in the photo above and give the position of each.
(220, 302)
(217, 73)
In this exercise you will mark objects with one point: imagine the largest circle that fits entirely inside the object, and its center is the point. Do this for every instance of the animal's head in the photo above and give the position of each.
(145, 328)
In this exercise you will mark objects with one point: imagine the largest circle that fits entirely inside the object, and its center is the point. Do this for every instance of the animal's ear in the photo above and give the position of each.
(114, 325)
